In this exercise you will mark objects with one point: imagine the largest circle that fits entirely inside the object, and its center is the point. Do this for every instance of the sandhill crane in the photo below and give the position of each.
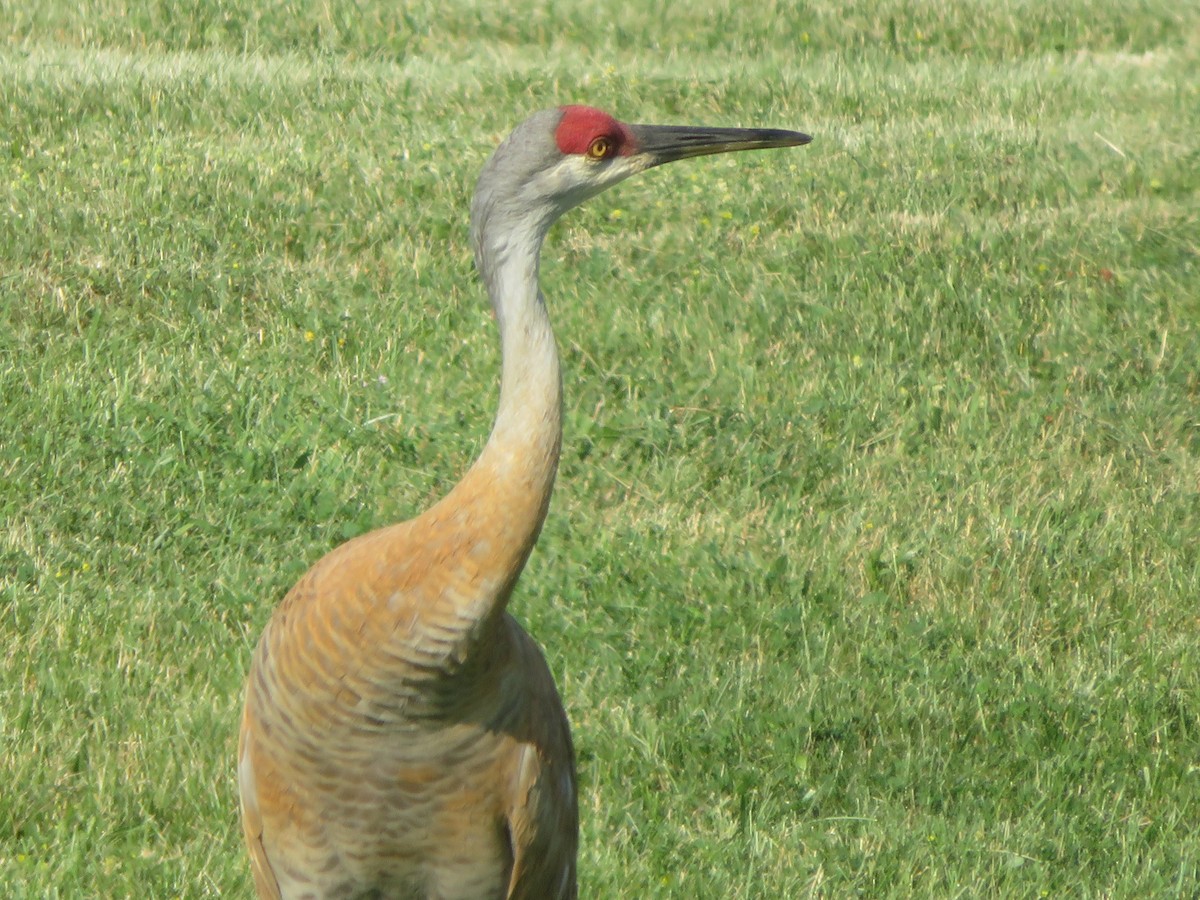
(402, 735)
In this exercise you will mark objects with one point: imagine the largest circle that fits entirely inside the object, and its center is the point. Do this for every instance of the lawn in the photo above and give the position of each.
(873, 567)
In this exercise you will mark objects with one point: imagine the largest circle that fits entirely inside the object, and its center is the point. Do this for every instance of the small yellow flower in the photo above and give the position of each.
(309, 337)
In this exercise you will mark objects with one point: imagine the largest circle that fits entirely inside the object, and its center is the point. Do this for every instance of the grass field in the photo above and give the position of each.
(874, 564)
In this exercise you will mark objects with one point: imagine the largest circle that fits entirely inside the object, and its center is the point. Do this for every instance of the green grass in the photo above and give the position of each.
(873, 564)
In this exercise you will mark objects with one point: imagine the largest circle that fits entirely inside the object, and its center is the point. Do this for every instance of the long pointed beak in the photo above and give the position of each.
(667, 143)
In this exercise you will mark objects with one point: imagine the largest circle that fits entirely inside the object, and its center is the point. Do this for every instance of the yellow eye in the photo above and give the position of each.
(600, 148)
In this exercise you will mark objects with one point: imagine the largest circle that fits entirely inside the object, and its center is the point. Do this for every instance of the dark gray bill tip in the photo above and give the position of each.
(667, 143)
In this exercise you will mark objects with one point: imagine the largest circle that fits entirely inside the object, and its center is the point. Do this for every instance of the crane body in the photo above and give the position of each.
(402, 736)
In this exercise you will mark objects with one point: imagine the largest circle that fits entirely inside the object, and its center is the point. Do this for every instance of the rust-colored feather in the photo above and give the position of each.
(402, 733)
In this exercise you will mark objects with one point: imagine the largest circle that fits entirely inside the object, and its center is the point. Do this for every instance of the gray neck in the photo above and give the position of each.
(520, 460)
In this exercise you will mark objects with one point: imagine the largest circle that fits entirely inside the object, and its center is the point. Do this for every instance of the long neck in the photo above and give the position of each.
(523, 449)
(506, 493)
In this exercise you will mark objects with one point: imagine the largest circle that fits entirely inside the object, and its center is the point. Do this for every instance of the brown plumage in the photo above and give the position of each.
(402, 735)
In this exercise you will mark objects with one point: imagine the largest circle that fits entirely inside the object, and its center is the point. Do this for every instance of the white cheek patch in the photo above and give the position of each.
(576, 178)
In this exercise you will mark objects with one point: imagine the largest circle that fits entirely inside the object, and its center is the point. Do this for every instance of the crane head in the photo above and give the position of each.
(596, 138)
(558, 158)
